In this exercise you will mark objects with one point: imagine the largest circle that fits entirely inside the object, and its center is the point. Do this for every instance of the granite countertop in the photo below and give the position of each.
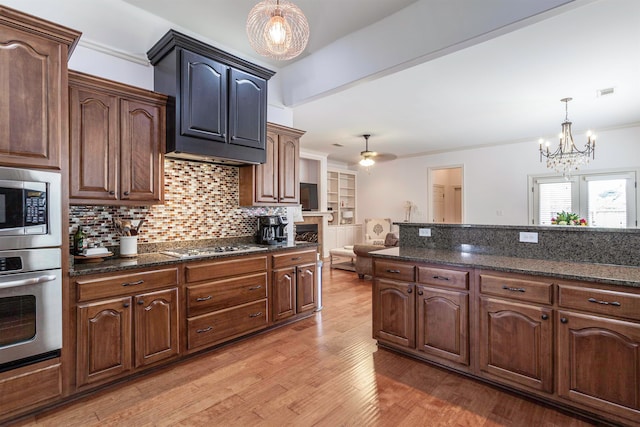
(114, 264)
(601, 273)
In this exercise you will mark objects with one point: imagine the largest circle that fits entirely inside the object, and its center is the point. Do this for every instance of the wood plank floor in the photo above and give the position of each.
(325, 370)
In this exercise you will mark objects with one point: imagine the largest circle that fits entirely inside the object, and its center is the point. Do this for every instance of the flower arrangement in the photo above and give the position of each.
(568, 218)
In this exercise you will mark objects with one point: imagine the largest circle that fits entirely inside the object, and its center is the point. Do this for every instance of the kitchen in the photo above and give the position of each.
(192, 226)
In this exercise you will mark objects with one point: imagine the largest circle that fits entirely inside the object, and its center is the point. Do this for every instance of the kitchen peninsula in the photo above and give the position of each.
(557, 320)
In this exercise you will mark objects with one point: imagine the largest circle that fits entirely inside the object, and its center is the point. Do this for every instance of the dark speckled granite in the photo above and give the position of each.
(601, 273)
(559, 243)
(601, 255)
(157, 259)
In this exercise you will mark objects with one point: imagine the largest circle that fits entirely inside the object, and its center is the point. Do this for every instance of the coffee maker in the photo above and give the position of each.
(272, 229)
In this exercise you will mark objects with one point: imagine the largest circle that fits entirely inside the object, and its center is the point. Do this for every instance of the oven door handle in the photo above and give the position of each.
(25, 282)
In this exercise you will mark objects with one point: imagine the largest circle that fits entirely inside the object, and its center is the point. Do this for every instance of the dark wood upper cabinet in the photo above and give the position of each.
(33, 75)
(277, 181)
(218, 102)
(117, 141)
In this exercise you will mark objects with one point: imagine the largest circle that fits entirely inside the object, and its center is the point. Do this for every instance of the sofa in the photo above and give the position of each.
(364, 262)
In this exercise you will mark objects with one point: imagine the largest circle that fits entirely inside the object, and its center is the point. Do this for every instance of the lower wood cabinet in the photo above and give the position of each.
(516, 343)
(432, 320)
(225, 299)
(571, 343)
(293, 286)
(120, 330)
(599, 363)
(26, 387)
(109, 330)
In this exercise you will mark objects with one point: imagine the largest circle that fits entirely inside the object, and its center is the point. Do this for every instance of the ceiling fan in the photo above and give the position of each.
(368, 158)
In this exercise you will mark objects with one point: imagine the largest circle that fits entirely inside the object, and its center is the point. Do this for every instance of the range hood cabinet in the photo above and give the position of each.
(217, 110)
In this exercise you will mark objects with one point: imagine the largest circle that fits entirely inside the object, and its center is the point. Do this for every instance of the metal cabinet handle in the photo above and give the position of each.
(140, 302)
(126, 193)
(296, 258)
(125, 305)
(595, 301)
(200, 299)
(564, 320)
(505, 287)
(207, 329)
(256, 314)
(440, 278)
(544, 317)
(111, 193)
(393, 271)
(255, 288)
(420, 292)
(139, 282)
(409, 290)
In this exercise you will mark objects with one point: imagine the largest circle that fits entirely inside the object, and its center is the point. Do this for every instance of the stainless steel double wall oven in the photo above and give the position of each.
(30, 266)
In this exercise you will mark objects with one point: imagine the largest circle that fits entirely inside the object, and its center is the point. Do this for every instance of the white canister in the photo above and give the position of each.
(128, 246)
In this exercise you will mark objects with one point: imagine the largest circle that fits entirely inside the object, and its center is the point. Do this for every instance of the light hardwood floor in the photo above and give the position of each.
(325, 370)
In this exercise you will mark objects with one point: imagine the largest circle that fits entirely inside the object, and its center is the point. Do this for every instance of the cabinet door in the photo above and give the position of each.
(267, 173)
(156, 320)
(307, 293)
(104, 340)
(94, 144)
(247, 110)
(284, 293)
(516, 343)
(203, 98)
(599, 363)
(34, 99)
(289, 169)
(443, 324)
(141, 141)
(394, 312)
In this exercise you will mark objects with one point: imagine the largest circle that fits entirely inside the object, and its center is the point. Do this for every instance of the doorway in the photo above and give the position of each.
(446, 194)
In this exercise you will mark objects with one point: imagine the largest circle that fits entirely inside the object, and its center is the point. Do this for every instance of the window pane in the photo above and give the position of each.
(607, 203)
(554, 197)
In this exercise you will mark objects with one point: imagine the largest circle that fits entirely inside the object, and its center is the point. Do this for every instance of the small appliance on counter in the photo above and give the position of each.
(272, 229)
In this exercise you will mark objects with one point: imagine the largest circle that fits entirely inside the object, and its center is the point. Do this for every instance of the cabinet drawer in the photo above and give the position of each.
(221, 269)
(519, 289)
(394, 270)
(600, 301)
(122, 284)
(443, 277)
(219, 326)
(293, 258)
(27, 386)
(225, 293)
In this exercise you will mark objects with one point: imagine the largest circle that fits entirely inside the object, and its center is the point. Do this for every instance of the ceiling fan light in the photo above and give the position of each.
(277, 29)
(366, 161)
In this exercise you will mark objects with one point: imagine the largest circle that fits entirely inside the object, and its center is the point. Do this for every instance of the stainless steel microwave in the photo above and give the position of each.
(30, 209)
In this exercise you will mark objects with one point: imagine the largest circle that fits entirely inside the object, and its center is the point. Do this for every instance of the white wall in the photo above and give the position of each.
(495, 178)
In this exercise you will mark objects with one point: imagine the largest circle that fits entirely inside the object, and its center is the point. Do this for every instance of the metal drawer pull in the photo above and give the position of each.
(296, 258)
(258, 314)
(505, 287)
(440, 278)
(595, 301)
(200, 299)
(255, 288)
(393, 271)
(139, 282)
(207, 329)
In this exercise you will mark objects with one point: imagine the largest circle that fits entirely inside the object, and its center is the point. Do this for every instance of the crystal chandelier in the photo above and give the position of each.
(568, 157)
(277, 29)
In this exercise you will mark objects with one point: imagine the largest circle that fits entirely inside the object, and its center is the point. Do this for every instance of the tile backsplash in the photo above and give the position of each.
(201, 202)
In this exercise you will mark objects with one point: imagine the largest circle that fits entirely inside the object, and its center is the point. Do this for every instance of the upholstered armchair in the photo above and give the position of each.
(375, 230)
(364, 263)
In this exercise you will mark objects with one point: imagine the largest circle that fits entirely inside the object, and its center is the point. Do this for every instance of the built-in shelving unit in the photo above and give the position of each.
(341, 197)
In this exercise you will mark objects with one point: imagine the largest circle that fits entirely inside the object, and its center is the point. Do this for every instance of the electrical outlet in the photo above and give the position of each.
(424, 232)
(528, 237)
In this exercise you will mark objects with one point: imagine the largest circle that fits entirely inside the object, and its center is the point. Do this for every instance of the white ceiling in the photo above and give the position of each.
(420, 76)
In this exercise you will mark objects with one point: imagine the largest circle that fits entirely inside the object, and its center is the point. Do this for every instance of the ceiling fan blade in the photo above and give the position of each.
(384, 157)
